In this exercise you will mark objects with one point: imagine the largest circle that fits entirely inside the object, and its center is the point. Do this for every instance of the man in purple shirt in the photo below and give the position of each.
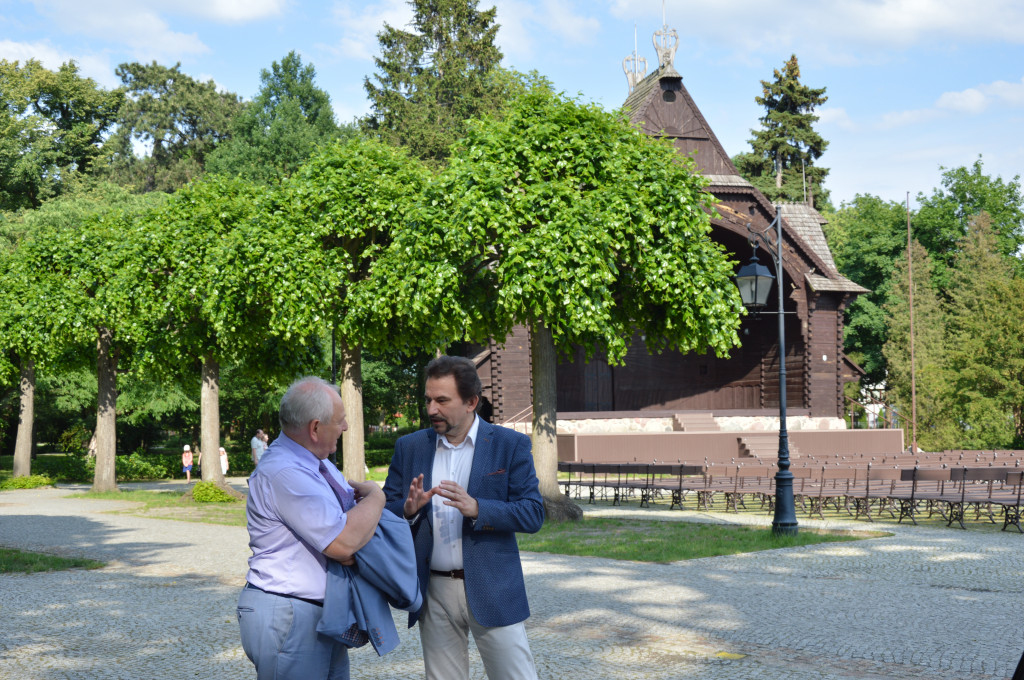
(301, 512)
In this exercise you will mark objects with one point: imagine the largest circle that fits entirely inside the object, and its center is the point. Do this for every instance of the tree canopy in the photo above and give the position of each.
(561, 216)
(785, 148)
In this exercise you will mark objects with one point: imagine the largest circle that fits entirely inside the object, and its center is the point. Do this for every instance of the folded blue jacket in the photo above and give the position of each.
(359, 597)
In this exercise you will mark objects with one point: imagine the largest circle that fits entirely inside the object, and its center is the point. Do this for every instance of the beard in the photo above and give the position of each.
(440, 425)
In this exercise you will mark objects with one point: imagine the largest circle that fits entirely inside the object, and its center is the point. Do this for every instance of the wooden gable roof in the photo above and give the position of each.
(661, 106)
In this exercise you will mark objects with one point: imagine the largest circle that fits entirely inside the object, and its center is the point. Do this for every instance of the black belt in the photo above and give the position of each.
(451, 573)
(318, 603)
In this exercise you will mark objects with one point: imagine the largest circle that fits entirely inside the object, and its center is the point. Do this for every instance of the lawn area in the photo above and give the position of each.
(668, 541)
(173, 505)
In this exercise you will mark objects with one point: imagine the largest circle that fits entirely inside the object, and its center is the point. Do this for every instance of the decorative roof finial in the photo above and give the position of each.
(631, 66)
(666, 52)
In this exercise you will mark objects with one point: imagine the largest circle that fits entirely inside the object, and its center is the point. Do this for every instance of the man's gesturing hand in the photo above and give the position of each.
(417, 497)
(457, 497)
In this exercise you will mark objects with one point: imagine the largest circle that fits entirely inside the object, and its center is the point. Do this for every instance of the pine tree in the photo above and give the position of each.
(936, 424)
(786, 146)
(433, 78)
(987, 340)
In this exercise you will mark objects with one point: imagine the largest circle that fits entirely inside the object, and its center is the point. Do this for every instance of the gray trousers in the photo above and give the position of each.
(279, 637)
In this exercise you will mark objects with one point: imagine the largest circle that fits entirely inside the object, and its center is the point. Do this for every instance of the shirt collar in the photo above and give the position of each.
(469, 440)
(303, 456)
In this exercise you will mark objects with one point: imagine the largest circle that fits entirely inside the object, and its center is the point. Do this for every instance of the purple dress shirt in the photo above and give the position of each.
(292, 515)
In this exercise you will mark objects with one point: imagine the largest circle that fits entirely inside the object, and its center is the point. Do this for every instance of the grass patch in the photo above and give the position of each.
(173, 505)
(18, 561)
(659, 541)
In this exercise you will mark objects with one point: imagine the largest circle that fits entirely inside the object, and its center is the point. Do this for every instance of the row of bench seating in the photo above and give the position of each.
(952, 492)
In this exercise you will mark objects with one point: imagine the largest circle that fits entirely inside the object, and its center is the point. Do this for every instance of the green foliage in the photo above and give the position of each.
(786, 146)
(179, 119)
(30, 482)
(389, 387)
(866, 237)
(435, 76)
(944, 217)
(140, 467)
(208, 492)
(282, 126)
(52, 124)
(986, 340)
(75, 439)
(937, 428)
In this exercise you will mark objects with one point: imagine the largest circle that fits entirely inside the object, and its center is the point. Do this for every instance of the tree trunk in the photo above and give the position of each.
(23, 442)
(352, 441)
(545, 414)
(105, 478)
(209, 421)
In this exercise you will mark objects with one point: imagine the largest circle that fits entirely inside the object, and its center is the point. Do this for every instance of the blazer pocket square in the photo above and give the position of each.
(496, 472)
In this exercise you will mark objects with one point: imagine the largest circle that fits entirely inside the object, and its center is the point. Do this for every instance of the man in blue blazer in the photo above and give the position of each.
(466, 488)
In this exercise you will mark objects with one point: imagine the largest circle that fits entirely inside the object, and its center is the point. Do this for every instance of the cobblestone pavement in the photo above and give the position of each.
(923, 603)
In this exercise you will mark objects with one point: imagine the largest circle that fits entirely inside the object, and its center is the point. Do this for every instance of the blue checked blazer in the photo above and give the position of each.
(504, 483)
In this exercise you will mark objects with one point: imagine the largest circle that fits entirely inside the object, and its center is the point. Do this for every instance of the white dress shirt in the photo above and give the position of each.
(453, 464)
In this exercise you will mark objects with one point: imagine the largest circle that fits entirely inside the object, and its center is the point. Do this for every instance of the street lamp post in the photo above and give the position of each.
(754, 282)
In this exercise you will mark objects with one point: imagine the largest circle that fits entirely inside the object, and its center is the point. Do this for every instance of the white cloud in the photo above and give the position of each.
(975, 100)
(360, 25)
(898, 119)
(525, 23)
(44, 52)
(967, 101)
(229, 11)
(1010, 93)
(92, 66)
(834, 31)
(125, 21)
(836, 116)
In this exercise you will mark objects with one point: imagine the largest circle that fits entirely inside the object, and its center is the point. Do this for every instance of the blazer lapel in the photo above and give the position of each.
(481, 456)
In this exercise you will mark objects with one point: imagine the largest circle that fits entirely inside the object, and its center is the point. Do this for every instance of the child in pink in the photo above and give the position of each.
(186, 463)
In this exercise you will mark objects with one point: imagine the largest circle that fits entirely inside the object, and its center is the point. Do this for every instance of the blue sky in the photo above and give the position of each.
(912, 84)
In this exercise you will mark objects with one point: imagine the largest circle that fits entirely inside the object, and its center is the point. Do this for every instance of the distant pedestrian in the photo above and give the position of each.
(258, 444)
(223, 461)
(186, 463)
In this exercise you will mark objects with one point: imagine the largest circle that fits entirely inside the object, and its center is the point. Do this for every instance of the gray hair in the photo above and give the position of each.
(306, 400)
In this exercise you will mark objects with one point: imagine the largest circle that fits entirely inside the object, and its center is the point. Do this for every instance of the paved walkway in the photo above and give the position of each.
(924, 603)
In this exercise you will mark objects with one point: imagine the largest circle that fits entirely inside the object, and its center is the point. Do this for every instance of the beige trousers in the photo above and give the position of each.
(444, 633)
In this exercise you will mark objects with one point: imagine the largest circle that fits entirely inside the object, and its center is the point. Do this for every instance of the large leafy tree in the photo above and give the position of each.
(88, 278)
(435, 76)
(867, 236)
(281, 127)
(562, 217)
(943, 219)
(201, 316)
(319, 244)
(785, 148)
(43, 320)
(52, 125)
(177, 121)
(986, 340)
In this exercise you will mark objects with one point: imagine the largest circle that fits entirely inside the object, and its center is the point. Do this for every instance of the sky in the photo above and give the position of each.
(912, 85)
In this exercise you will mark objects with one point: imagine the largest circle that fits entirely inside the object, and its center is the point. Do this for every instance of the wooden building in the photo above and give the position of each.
(747, 383)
